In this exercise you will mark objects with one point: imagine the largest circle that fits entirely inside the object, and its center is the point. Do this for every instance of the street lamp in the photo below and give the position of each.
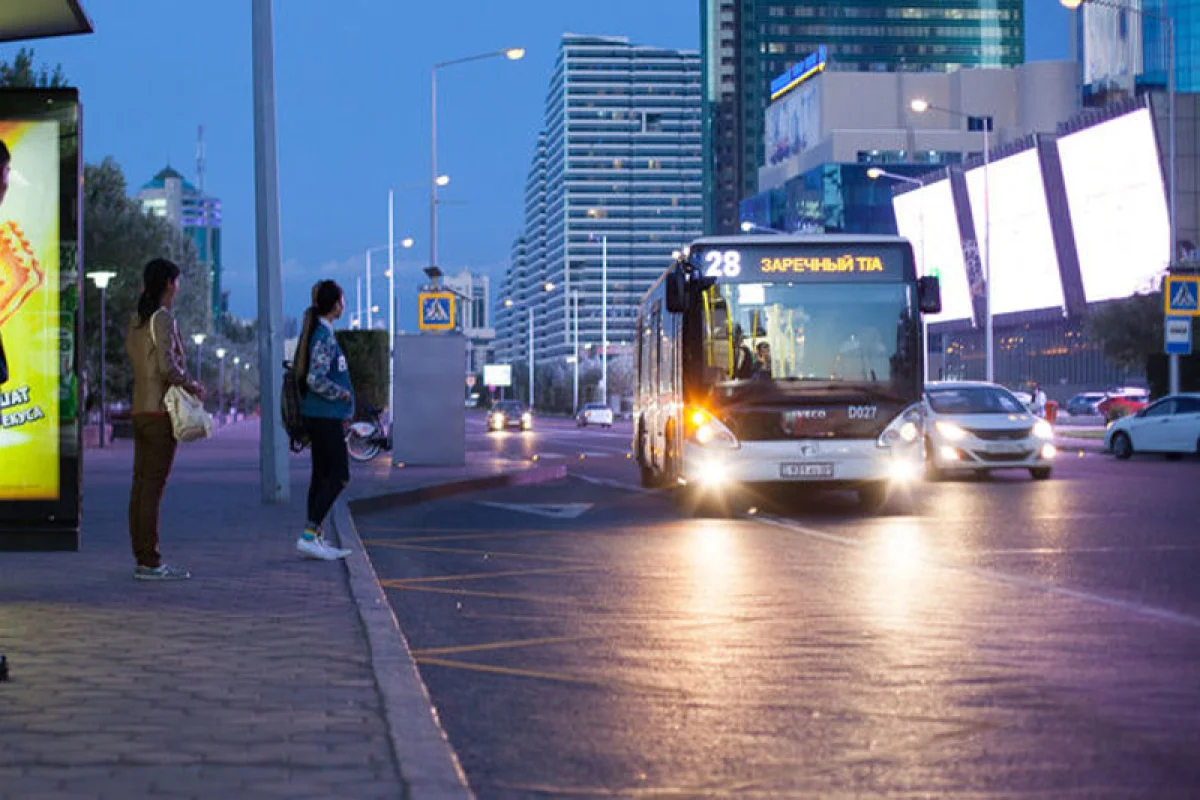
(1168, 22)
(920, 105)
(752, 227)
(221, 385)
(510, 53)
(101, 279)
(199, 338)
(875, 173)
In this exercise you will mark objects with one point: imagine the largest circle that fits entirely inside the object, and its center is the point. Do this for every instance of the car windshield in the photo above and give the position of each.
(509, 408)
(974, 400)
(810, 332)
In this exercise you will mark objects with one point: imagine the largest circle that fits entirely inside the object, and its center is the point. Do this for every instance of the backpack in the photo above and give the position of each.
(290, 401)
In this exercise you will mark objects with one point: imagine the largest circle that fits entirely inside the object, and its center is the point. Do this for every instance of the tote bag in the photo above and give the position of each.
(189, 420)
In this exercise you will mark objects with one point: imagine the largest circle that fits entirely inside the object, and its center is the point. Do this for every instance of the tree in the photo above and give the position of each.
(1129, 330)
(119, 236)
(21, 72)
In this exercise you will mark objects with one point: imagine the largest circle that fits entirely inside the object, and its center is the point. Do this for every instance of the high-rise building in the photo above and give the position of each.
(170, 196)
(616, 170)
(748, 43)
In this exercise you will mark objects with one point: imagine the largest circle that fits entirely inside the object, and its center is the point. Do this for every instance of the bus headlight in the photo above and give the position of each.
(905, 429)
(707, 431)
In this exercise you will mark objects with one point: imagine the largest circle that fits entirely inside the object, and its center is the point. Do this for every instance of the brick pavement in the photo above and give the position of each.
(254, 679)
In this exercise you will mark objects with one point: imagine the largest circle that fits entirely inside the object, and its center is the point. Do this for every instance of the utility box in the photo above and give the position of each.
(429, 421)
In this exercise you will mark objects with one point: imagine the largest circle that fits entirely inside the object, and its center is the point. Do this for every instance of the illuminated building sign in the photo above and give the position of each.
(764, 262)
(799, 73)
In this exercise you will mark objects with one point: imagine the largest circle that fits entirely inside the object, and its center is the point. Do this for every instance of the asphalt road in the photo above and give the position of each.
(993, 637)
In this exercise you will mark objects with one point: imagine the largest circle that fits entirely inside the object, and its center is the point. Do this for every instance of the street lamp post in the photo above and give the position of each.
(512, 54)
(237, 385)
(603, 320)
(101, 279)
(1168, 22)
(920, 106)
(875, 173)
(221, 386)
(199, 338)
(575, 348)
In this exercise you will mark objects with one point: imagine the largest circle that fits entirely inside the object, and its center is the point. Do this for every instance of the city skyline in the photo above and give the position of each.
(341, 146)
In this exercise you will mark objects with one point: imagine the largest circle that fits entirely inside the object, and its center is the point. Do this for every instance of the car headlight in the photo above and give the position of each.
(707, 431)
(526, 418)
(1043, 429)
(952, 432)
(904, 429)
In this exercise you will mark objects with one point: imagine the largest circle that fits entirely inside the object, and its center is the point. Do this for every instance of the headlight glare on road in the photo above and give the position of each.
(1049, 451)
(1043, 430)
(951, 431)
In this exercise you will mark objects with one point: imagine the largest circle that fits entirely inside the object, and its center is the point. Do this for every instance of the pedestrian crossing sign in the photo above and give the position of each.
(1182, 293)
(437, 311)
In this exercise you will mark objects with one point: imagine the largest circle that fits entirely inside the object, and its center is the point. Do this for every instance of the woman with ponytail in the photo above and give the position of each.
(320, 367)
(156, 350)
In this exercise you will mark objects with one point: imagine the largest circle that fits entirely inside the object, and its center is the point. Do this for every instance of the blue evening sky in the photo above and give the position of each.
(352, 94)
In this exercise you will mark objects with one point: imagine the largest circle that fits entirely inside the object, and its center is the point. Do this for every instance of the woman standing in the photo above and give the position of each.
(328, 405)
(156, 350)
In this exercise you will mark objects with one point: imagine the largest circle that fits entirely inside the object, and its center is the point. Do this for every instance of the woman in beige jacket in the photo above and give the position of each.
(156, 350)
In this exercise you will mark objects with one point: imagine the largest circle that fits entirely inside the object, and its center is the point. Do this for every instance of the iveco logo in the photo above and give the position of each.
(807, 413)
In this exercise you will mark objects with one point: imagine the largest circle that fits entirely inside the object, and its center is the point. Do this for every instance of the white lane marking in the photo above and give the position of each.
(608, 483)
(551, 510)
(1139, 609)
(1165, 548)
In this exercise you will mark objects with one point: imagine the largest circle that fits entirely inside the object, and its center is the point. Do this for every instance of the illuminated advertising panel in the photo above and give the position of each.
(39, 303)
(1024, 261)
(1117, 204)
(926, 217)
(793, 124)
(497, 374)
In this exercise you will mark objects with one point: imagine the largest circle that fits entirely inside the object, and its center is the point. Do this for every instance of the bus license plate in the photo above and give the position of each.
(806, 470)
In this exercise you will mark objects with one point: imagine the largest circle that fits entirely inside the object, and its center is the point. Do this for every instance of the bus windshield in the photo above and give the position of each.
(822, 332)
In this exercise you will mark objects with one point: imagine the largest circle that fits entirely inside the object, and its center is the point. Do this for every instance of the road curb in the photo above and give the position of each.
(425, 759)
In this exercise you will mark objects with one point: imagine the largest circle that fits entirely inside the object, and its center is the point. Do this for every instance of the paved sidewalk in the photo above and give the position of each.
(253, 679)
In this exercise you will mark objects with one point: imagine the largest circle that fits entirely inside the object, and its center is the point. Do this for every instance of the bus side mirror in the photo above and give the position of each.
(677, 294)
(929, 295)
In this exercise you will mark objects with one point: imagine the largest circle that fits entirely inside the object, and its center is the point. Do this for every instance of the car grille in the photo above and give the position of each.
(1001, 436)
(997, 458)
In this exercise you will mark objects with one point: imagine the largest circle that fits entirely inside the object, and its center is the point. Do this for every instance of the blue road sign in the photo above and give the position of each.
(1182, 293)
(1178, 335)
(437, 311)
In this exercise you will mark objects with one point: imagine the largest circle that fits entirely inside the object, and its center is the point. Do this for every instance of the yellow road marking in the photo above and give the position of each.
(482, 576)
(506, 645)
(531, 598)
(473, 552)
(508, 671)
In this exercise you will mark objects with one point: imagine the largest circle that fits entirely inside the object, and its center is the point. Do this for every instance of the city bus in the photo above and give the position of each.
(767, 360)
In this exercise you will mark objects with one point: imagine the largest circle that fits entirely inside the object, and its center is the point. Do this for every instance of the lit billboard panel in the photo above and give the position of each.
(1024, 261)
(926, 217)
(1117, 204)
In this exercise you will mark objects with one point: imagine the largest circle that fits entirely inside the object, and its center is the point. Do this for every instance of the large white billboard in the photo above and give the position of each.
(926, 217)
(1023, 260)
(1118, 205)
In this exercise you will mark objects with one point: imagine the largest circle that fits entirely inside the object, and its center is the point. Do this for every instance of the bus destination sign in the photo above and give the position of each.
(761, 262)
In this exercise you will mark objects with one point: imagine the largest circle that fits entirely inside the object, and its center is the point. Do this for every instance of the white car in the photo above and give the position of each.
(594, 414)
(981, 427)
(1170, 425)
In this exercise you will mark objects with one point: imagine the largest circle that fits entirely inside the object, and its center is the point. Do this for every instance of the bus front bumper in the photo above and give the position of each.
(823, 463)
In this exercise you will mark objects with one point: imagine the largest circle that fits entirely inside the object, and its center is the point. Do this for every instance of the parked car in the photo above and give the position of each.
(1170, 425)
(509, 414)
(1084, 404)
(980, 427)
(594, 414)
(1122, 401)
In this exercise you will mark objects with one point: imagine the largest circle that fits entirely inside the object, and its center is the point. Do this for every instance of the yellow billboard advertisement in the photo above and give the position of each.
(29, 311)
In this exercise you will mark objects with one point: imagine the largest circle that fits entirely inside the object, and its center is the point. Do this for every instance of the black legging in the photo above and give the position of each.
(330, 466)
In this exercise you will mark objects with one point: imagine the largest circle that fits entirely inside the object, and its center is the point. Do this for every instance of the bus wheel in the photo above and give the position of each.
(649, 479)
(872, 496)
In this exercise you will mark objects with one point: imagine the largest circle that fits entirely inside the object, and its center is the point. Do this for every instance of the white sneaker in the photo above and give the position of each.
(315, 548)
(338, 552)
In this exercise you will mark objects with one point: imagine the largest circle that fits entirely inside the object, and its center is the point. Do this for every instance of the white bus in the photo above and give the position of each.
(783, 359)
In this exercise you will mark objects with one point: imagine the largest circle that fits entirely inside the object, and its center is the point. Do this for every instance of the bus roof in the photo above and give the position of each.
(798, 238)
